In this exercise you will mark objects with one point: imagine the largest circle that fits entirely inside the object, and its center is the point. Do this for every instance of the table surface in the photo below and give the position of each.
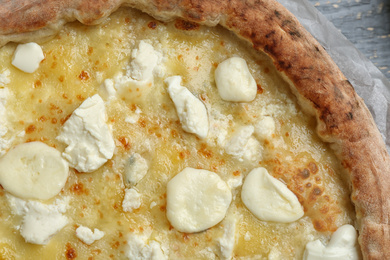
(366, 23)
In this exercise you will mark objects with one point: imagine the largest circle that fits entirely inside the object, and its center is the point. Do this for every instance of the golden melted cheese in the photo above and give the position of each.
(76, 63)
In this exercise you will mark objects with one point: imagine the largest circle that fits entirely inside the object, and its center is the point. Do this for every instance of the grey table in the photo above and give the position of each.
(365, 23)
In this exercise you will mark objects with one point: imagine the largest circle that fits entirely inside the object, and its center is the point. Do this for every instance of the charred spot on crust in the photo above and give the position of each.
(277, 13)
(304, 174)
(295, 33)
(313, 167)
(350, 115)
(152, 24)
(270, 34)
(70, 252)
(186, 25)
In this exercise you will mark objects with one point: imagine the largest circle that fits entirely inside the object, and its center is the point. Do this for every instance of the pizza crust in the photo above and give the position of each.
(342, 117)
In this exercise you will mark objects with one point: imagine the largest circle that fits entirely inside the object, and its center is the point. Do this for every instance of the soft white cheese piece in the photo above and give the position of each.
(135, 169)
(243, 145)
(33, 171)
(196, 200)
(40, 221)
(89, 139)
(265, 128)
(131, 201)
(342, 245)
(137, 82)
(269, 199)
(88, 236)
(145, 60)
(139, 249)
(134, 117)
(4, 142)
(108, 89)
(27, 57)
(234, 81)
(4, 77)
(227, 241)
(191, 111)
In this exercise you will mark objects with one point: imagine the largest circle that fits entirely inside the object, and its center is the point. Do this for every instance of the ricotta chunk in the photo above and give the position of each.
(40, 221)
(88, 236)
(135, 169)
(342, 245)
(27, 57)
(196, 200)
(265, 128)
(191, 111)
(234, 81)
(131, 201)
(138, 79)
(89, 140)
(269, 199)
(243, 145)
(4, 142)
(145, 61)
(138, 248)
(4, 77)
(227, 241)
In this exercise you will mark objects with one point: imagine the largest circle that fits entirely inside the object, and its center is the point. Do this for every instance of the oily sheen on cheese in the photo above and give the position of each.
(136, 132)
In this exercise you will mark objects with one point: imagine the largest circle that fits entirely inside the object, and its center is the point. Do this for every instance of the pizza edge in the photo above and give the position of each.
(322, 90)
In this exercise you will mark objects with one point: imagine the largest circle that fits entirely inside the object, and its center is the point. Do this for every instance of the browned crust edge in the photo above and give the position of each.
(342, 117)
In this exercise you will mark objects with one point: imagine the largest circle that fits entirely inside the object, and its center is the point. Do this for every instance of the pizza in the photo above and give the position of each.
(182, 130)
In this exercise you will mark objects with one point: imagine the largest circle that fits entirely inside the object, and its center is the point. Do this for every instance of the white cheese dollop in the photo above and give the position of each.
(196, 200)
(135, 169)
(40, 221)
(243, 145)
(131, 201)
(89, 139)
(234, 81)
(269, 199)
(27, 57)
(33, 171)
(342, 245)
(191, 111)
(145, 61)
(88, 236)
(138, 248)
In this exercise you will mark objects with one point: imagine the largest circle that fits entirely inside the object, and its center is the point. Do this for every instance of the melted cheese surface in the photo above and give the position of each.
(80, 58)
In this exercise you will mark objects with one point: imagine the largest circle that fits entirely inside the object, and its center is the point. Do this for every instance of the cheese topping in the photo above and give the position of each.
(269, 199)
(135, 169)
(27, 57)
(88, 236)
(243, 145)
(191, 111)
(342, 245)
(265, 128)
(196, 200)
(4, 77)
(234, 81)
(33, 171)
(131, 201)
(90, 142)
(40, 221)
(4, 143)
(228, 239)
(139, 249)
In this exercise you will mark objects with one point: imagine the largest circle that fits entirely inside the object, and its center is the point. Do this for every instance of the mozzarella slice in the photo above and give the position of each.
(196, 200)
(191, 111)
(234, 81)
(33, 171)
(90, 142)
(342, 245)
(27, 57)
(269, 199)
